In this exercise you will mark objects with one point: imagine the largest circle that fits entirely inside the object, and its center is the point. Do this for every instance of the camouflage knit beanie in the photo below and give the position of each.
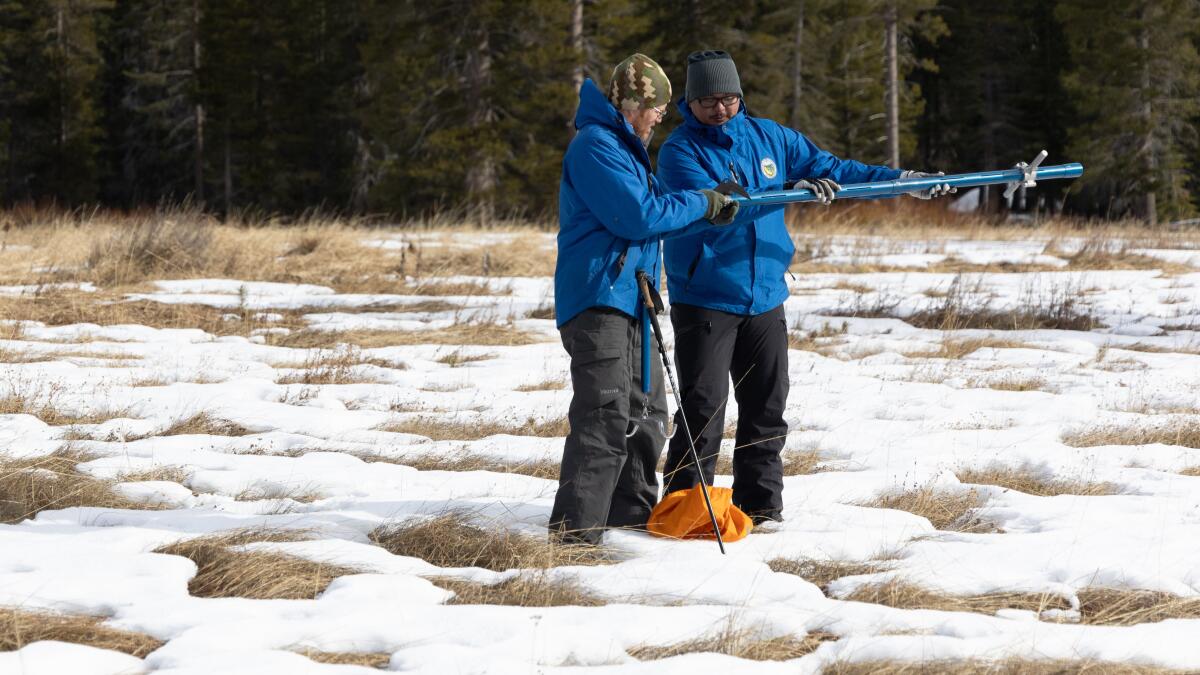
(638, 83)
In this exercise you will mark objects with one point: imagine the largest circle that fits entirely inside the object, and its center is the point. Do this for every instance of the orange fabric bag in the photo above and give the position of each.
(683, 515)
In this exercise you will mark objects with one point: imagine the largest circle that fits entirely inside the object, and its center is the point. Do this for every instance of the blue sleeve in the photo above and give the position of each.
(602, 176)
(806, 160)
(679, 169)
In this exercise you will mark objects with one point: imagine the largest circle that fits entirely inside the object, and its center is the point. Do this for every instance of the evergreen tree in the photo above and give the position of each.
(277, 84)
(1136, 82)
(996, 97)
(448, 120)
(155, 122)
(48, 97)
(849, 70)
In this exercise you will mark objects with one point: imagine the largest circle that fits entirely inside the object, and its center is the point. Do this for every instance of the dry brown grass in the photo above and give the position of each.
(66, 307)
(1126, 607)
(945, 509)
(1010, 382)
(1097, 606)
(489, 334)
(1181, 431)
(225, 572)
(905, 595)
(527, 590)
(548, 384)
(957, 348)
(824, 340)
(439, 429)
(366, 659)
(305, 493)
(1030, 481)
(204, 423)
(20, 627)
(1104, 253)
(29, 486)
(464, 460)
(171, 474)
(821, 573)
(795, 462)
(1007, 667)
(1190, 471)
(460, 288)
(116, 249)
(457, 358)
(336, 366)
(743, 643)
(44, 400)
(454, 540)
(1055, 308)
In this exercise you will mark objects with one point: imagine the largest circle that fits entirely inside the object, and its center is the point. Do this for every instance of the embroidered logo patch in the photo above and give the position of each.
(768, 167)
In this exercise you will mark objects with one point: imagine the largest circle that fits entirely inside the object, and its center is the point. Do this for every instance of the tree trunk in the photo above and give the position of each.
(1148, 184)
(481, 173)
(797, 65)
(228, 182)
(577, 47)
(198, 112)
(60, 41)
(893, 87)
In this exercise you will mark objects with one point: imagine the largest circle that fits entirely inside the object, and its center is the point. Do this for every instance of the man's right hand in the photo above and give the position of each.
(721, 208)
(825, 189)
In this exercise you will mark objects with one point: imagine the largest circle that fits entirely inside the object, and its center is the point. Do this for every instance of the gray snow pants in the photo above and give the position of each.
(608, 479)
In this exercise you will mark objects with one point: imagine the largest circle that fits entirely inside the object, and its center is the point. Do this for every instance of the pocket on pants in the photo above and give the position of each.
(598, 377)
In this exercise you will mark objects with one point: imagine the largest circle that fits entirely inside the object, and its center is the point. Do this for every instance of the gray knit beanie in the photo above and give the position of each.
(711, 72)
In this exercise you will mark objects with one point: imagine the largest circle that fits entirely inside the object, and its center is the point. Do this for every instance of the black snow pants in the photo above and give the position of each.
(710, 347)
(608, 479)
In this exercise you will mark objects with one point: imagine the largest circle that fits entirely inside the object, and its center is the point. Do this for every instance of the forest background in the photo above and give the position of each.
(410, 108)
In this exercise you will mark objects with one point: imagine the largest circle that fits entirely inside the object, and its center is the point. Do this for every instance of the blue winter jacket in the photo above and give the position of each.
(741, 269)
(611, 212)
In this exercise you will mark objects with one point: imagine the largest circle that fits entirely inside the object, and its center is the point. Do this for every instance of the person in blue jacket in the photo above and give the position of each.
(727, 286)
(612, 214)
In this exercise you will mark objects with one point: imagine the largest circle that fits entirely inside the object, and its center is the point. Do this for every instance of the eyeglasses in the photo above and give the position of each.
(662, 113)
(712, 101)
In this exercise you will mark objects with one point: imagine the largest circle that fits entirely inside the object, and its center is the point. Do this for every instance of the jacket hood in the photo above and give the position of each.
(594, 108)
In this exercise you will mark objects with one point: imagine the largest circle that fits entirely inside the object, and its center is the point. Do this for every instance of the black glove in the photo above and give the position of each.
(721, 208)
(824, 188)
(935, 191)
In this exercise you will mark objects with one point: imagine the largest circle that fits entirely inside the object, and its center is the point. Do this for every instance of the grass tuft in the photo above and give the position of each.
(1181, 431)
(905, 595)
(20, 627)
(366, 659)
(1012, 666)
(1127, 607)
(465, 460)
(29, 486)
(821, 573)
(946, 509)
(458, 430)
(534, 590)
(1030, 481)
(226, 572)
(742, 643)
(453, 540)
(206, 424)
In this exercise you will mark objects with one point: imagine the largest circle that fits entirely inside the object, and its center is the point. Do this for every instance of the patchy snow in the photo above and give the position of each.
(883, 409)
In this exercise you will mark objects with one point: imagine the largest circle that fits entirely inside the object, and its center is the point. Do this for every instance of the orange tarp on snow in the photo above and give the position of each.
(683, 515)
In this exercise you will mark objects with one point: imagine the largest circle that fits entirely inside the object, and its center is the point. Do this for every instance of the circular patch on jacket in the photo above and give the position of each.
(768, 167)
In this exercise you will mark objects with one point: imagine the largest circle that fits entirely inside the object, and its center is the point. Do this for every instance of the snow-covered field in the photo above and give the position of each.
(1101, 423)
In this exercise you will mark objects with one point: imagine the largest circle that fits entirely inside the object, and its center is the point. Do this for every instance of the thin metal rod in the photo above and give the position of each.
(892, 188)
(644, 283)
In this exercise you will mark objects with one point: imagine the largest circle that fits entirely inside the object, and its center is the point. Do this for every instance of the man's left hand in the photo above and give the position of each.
(929, 193)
